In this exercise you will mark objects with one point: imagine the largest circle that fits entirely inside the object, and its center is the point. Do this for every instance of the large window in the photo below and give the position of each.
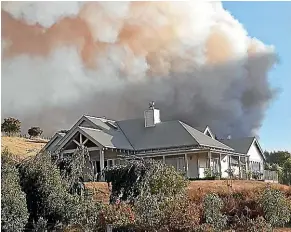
(255, 166)
(177, 162)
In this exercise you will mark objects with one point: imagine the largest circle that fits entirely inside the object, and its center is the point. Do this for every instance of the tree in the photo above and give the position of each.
(11, 126)
(14, 214)
(286, 172)
(34, 131)
(277, 157)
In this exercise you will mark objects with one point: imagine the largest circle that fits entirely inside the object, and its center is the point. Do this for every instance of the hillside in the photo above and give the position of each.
(22, 147)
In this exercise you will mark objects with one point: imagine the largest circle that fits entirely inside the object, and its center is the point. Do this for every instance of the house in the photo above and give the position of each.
(190, 150)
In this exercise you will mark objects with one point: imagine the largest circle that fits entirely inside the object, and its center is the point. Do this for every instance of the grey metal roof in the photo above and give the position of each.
(162, 135)
(133, 135)
(108, 138)
(53, 143)
(200, 128)
(165, 135)
(203, 139)
(240, 145)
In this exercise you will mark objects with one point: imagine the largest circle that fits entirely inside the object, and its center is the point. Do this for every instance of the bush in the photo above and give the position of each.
(47, 194)
(34, 131)
(118, 215)
(14, 213)
(252, 225)
(275, 207)
(11, 126)
(166, 213)
(212, 206)
(138, 176)
(181, 214)
(149, 211)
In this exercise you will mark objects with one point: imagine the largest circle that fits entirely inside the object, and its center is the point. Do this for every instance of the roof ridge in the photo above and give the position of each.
(245, 137)
(82, 127)
(183, 125)
(125, 136)
(203, 134)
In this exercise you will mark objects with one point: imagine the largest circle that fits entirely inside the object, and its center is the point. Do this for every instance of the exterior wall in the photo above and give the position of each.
(176, 161)
(256, 156)
(197, 163)
(94, 155)
(111, 154)
(224, 165)
(202, 157)
(192, 165)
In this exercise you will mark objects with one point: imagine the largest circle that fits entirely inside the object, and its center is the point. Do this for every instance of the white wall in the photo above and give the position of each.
(192, 166)
(255, 155)
(224, 166)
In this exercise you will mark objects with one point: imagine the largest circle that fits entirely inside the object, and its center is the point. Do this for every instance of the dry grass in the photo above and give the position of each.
(22, 147)
(198, 189)
(100, 191)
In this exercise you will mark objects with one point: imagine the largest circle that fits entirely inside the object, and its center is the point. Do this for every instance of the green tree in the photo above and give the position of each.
(14, 214)
(286, 172)
(11, 126)
(34, 131)
(277, 157)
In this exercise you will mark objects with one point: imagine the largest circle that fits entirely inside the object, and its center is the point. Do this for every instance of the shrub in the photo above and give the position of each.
(275, 207)
(34, 131)
(11, 126)
(212, 206)
(252, 225)
(47, 194)
(74, 169)
(149, 211)
(40, 225)
(181, 214)
(118, 215)
(138, 176)
(14, 213)
(88, 216)
(166, 213)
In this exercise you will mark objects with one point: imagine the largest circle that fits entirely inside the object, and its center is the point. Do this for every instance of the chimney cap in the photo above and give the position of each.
(152, 105)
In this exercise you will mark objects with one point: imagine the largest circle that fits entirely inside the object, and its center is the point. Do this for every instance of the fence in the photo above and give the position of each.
(271, 176)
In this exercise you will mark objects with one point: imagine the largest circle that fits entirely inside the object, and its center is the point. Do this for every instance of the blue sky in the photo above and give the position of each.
(271, 23)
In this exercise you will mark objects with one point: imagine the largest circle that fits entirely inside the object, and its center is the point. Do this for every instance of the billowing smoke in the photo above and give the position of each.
(64, 59)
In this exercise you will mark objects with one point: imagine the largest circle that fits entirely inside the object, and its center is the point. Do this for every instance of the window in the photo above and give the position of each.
(110, 163)
(181, 164)
(96, 166)
(117, 162)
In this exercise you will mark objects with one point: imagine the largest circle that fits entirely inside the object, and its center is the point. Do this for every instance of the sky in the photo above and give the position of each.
(271, 23)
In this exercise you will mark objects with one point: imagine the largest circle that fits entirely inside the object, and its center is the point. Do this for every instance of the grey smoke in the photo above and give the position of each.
(221, 96)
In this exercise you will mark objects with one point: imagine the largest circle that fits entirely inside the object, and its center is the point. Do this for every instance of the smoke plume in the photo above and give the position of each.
(64, 59)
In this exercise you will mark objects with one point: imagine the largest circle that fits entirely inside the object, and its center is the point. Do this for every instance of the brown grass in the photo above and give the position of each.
(100, 191)
(198, 189)
(22, 147)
